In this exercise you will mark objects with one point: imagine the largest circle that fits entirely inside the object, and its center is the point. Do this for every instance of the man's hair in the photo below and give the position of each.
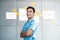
(31, 8)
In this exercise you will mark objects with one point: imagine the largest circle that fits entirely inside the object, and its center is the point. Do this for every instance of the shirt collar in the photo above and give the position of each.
(30, 20)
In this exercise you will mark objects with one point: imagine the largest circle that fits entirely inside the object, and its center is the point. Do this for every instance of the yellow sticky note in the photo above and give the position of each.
(36, 14)
(32, 4)
(53, 21)
(17, 13)
(14, 10)
(41, 15)
(37, 11)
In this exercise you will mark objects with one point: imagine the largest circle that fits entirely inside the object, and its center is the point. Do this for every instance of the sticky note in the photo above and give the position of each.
(36, 14)
(14, 10)
(49, 15)
(37, 11)
(32, 4)
(17, 13)
(41, 15)
(22, 14)
(10, 15)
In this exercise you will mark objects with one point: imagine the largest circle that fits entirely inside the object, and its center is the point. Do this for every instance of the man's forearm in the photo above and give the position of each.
(27, 33)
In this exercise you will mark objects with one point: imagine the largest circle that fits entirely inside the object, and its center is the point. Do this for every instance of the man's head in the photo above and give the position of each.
(30, 12)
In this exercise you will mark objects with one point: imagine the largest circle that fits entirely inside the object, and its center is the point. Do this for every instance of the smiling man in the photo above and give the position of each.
(29, 30)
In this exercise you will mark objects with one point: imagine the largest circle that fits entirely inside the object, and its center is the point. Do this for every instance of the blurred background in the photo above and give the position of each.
(49, 26)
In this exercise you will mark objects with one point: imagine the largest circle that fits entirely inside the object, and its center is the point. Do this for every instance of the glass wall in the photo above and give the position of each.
(47, 17)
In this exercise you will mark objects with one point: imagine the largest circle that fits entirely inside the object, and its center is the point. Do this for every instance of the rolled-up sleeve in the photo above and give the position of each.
(33, 26)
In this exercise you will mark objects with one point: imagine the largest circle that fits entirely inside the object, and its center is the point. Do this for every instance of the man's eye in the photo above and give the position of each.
(27, 11)
(30, 11)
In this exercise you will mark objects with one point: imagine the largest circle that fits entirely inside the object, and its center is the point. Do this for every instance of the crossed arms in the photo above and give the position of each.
(27, 33)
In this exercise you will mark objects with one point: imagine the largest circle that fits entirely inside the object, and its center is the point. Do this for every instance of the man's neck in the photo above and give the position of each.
(30, 18)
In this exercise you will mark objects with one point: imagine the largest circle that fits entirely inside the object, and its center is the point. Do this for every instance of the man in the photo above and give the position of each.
(29, 30)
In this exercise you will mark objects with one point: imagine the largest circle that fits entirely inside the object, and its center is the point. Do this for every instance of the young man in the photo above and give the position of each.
(29, 30)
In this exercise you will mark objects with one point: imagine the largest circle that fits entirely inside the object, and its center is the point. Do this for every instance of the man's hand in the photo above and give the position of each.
(27, 33)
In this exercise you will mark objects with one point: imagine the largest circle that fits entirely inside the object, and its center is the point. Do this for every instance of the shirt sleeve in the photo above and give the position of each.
(34, 26)
(23, 29)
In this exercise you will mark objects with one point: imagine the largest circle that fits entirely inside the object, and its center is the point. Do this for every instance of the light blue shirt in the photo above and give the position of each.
(30, 24)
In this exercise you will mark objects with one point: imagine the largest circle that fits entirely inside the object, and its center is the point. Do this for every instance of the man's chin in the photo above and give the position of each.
(29, 17)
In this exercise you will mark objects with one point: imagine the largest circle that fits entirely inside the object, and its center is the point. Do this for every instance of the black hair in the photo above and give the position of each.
(30, 7)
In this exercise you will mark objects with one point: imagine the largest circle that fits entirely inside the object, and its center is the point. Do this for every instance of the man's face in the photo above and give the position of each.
(30, 13)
